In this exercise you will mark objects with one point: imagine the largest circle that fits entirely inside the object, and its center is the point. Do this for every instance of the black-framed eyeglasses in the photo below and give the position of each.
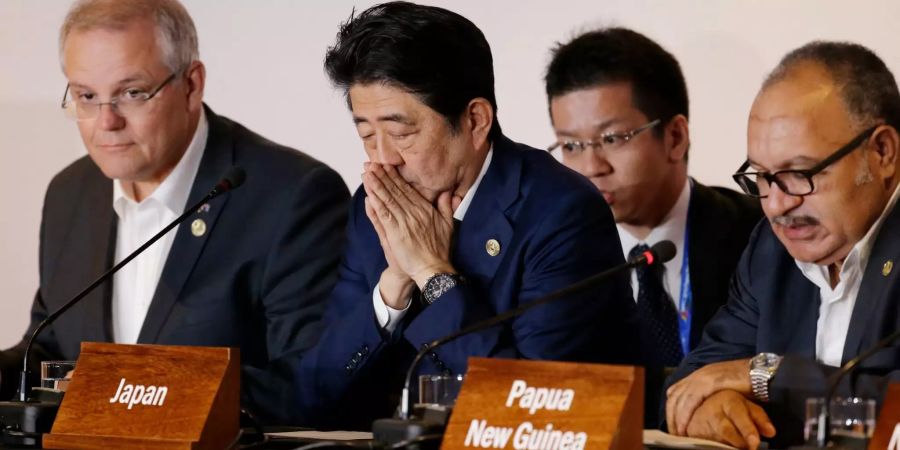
(796, 182)
(609, 141)
(127, 103)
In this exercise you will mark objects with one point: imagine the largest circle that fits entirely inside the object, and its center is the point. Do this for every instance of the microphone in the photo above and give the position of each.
(822, 433)
(232, 180)
(657, 254)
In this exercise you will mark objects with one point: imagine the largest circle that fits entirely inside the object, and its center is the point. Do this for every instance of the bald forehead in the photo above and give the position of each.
(805, 100)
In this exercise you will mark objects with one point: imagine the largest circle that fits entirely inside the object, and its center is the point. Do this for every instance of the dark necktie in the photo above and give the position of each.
(658, 313)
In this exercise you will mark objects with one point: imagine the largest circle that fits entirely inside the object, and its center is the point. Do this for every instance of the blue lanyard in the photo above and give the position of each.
(685, 297)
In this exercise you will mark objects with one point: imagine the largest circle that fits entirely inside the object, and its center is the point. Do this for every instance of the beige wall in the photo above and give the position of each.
(264, 69)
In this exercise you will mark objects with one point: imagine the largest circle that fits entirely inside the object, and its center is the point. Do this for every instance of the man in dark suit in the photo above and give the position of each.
(454, 224)
(815, 286)
(251, 270)
(619, 107)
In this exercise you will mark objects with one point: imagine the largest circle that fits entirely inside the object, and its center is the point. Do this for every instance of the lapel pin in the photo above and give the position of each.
(492, 247)
(204, 208)
(887, 267)
(198, 227)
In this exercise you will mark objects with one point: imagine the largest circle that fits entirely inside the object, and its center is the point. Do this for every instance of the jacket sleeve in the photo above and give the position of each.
(299, 272)
(568, 243)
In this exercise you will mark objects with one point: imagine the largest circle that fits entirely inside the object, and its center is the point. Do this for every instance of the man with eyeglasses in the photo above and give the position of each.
(252, 269)
(816, 286)
(619, 107)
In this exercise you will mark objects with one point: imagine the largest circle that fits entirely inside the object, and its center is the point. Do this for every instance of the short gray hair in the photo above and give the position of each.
(867, 87)
(176, 35)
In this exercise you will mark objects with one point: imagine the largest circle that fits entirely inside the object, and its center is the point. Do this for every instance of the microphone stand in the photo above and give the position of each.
(23, 420)
(404, 427)
(823, 432)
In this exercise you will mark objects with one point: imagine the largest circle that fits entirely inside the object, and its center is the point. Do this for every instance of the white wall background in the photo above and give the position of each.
(264, 66)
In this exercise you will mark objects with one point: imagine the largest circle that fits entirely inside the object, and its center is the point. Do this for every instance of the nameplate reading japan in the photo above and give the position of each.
(151, 397)
(514, 404)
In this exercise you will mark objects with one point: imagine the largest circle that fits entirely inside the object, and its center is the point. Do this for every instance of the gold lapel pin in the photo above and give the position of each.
(887, 267)
(492, 247)
(198, 227)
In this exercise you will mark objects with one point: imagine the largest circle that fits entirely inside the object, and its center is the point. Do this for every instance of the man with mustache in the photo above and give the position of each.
(619, 107)
(816, 286)
(454, 223)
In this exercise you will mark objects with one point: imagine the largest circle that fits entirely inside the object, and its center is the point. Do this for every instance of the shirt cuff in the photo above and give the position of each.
(388, 318)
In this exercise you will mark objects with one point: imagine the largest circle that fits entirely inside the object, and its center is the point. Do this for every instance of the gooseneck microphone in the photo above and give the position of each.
(232, 180)
(822, 433)
(660, 252)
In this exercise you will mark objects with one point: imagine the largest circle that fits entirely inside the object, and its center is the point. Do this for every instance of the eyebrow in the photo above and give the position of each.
(399, 118)
(602, 126)
(119, 83)
(802, 160)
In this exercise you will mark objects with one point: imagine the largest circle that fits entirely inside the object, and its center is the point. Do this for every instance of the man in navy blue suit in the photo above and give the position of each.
(619, 107)
(815, 286)
(454, 223)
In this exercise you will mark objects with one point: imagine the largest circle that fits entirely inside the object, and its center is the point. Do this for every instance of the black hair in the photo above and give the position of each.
(435, 54)
(615, 55)
(867, 86)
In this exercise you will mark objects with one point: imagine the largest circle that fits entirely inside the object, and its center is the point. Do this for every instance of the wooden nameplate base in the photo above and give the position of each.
(887, 429)
(150, 397)
(550, 405)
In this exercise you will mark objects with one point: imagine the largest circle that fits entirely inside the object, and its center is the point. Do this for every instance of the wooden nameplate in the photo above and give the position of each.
(887, 429)
(552, 405)
(150, 397)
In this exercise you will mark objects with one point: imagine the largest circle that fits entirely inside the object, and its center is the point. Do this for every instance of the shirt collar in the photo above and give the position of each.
(857, 259)
(173, 192)
(467, 199)
(671, 228)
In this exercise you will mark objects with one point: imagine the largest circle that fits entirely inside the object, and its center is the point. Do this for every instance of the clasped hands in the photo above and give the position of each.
(715, 402)
(414, 233)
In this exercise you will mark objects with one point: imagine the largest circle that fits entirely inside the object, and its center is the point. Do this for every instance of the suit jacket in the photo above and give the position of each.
(719, 222)
(257, 279)
(773, 308)
(554, 229)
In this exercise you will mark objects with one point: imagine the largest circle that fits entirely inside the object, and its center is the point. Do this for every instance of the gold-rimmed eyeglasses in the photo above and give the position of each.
(609, 141)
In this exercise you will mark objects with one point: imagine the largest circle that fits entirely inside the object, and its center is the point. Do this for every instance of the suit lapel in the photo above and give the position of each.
(875, 286)
(703, 240)
(218, 157)
(485, 219)
(100, 236)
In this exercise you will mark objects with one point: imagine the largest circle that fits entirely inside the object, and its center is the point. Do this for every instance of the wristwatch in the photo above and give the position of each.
(762, 368)
(437, 284)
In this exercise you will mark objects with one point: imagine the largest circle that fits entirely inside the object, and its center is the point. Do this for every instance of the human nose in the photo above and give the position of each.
(383, 152)
(779, 203)
(109, 118)
(594, 162)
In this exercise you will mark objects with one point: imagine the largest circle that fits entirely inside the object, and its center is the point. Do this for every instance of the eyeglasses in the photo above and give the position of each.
(796, 182)
(610, 141)
(86, 106)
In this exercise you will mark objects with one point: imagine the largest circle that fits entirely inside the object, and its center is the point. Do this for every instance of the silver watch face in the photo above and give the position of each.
(765, 361)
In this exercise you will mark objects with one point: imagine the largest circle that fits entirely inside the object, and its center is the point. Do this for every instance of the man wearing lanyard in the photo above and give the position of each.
(619, 107)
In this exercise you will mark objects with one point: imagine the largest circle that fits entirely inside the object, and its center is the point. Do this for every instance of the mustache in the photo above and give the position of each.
(795, 221)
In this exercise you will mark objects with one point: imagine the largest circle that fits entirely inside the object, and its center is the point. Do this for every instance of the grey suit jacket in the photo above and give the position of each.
(257, 279)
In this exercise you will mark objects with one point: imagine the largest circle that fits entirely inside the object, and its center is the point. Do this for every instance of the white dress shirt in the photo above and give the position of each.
(836, 305)
(672, 228)
(135, 284)
(388, 318)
